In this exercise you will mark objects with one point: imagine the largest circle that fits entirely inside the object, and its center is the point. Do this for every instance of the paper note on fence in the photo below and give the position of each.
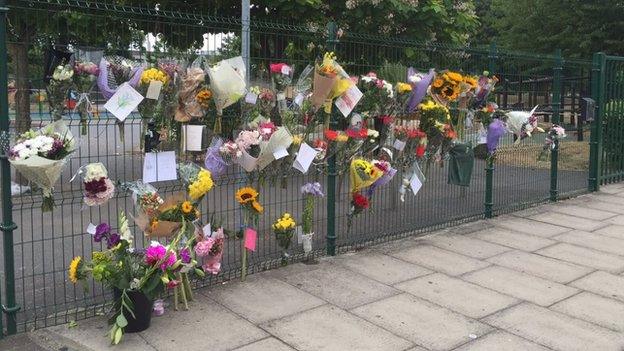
(415, 183)
(348, 100)
(399, 145)
(123, 102)
(251, 98)
(159, 166)
(304, 158)
(153, 90)
(192, 136)
(280, 153)
(251, 237)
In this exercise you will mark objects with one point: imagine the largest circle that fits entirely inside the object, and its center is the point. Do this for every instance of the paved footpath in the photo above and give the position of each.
(548, 278)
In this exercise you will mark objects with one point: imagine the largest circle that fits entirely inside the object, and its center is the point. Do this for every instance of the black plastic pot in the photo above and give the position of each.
(142, 310)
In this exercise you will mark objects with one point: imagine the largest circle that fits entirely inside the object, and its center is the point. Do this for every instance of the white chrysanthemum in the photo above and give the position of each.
(388, 88)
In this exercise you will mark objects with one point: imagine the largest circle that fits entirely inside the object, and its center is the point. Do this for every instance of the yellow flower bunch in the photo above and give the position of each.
(403, 88)
(286, 222)
(470, 81)
(297, 139)
(151, 74)
(447, 85)
(342, 138)
(202, 185)
(327, 67)
(248, 197)
(203, 97)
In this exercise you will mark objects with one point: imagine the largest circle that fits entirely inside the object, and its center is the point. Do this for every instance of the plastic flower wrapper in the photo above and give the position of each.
(85, 76)
(555, 133)
(214, 161)
(248, 142)
(485, 85)
(41, 157)
(145, 197)
(406, 181)
(362, 174)
(168, 217)
(227, 82)
(249, 200)
(496, 130)
(420, 83)
(522, 123)
(209, 249)
(58, 88)
(387, 174)
(325, 76)
(114, 71)
(230, 152)
(198, 180)
(280, 139)
(98, 188)
(284, 228)
(192, 104)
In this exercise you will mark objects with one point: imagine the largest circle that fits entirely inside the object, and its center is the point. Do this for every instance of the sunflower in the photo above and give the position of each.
(455, 76)
(470, 81)
(257, 207)
(437, 83)
(246, 194)
(74, 266)
(186, 207)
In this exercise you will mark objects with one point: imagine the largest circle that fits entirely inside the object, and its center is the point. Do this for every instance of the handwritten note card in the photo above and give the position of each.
(304, 158)
(123, 102)
(153, 90)
(399, 145)
(159, 166)
(251, 98)
(192, 136)
(348, 100)
(251, 237)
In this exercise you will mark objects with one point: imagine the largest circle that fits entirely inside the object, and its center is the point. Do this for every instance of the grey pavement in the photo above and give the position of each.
(548, 278)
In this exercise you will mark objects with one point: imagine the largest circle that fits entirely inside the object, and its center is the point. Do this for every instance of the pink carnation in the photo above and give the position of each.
(156, 252)
(203, 247)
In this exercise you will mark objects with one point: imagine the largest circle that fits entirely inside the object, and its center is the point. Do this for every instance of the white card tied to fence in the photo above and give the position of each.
(192, 137)
(347, 101)
(304, 158)
(153, 90)
(399, 145)
(159, 166)
(123, 102)
(251, 98)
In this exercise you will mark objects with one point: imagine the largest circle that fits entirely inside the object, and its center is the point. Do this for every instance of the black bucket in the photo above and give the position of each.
(142, 310)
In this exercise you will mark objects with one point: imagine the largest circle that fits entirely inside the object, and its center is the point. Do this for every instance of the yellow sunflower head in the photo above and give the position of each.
(454, 76)
(246, 195)
(74, 269)
(257, 206)
(438, 82)
(186, 207)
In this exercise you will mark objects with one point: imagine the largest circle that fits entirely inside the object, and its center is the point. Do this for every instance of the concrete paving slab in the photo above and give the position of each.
(329, 328)
(613, 199)
(556, 330)
(614, 231)
(440, 260)
(501, 341)
(206, 323)
(593, 241)
(382, 268)
(455, 294)
(619, 220)
(584, 257)
(567, 221)
(420, 322)
(529, 226)
(262, 298)
(466, 246)
(540, 266)
(595, 309)
(602, 283)
(340, 286)
(513, 239)
(520, 285)
(582, 211)
(605, 206)
(268, 344)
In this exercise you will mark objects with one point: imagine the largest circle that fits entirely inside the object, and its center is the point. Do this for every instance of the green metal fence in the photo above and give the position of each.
(37, 246)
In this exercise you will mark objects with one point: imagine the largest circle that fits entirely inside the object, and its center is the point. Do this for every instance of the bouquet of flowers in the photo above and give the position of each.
(230, 152)
(168, 217)
(41, 157)
(147, 107)
(197, 179)
(145, 197)
(214, 162)
(420, 83)
(326, 76)
(363, 174)
(378, 95)
(248, 142)
(193, 99)
(227, 82)
(555, 133)
(310, 192)
(522, 123)
(247, 197)
(359, 203)
(447, 87)
(58, 88)
(281, 75)
(284, 228)
(387, 174)
(85, 76)
(210, 249)
(98, 188)
(435, 122)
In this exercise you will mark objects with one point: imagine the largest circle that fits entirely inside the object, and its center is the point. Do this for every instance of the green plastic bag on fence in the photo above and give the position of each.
(461, 162)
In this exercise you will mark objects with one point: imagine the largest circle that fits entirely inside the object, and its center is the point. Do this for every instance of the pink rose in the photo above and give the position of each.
(203, 247)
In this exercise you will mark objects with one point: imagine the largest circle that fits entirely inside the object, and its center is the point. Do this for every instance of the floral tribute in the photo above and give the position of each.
(98, 188)
(284, 228)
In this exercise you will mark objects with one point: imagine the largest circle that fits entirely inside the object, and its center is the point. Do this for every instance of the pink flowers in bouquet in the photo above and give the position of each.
(210, 249)
(98, 188)
(157, 253)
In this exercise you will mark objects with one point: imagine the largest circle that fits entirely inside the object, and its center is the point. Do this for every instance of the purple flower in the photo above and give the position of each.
(113, 240)
(313, 189)
(101, 231)
(185, 255)
(57, 147)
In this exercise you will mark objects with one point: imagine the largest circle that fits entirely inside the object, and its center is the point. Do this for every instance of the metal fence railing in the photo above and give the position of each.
(37, 249)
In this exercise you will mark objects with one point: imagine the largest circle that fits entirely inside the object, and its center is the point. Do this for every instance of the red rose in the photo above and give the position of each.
(420, 150)
(331, 135)
(360, 201)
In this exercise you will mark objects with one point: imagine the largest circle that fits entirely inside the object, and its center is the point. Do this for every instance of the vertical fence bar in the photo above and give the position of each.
(7, 226)
(489, 167)
(332, 40)
(556, 108)
(596, 141)
(245, 21)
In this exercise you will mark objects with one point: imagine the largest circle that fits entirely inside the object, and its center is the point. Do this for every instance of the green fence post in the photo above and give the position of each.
(332, 32)
(7, 226)
(489, 161)
(556, 108)
(595, 139)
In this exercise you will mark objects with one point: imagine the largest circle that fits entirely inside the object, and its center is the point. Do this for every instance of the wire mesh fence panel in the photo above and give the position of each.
(45, 242)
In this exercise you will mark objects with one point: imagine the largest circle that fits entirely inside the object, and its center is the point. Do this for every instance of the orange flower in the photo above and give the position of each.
(437, 83)
(257, 206)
